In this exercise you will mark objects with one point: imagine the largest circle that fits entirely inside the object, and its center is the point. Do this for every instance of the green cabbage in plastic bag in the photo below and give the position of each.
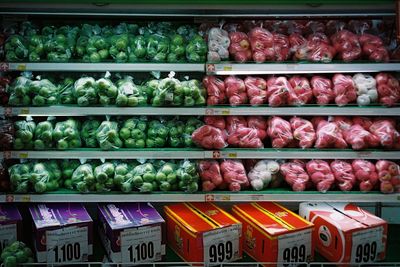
(107, 135)
(24, 132)
(133, 133)
(89, 132)
(66, 134)
(130, 94)
(85, 90)
(43, 138)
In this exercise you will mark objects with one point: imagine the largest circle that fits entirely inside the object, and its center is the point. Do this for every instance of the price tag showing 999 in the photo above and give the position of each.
(68, 244)
(221, 245)
(367, 245)
(294, 248)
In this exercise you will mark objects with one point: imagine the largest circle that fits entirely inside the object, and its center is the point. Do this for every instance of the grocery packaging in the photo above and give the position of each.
(295, 174)
(132, 232)
(62, 232)
(345, 232)
(389, 176)
(273, 233)
(203, 232)
(10, 225)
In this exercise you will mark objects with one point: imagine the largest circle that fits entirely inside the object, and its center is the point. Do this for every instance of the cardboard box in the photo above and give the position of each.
(132, 232)
(62, 232)
(203, 232)
(346, 233)
(10, 225)
(272, 233)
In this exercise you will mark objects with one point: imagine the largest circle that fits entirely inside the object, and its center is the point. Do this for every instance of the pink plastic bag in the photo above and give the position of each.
(344, 174)
(256, 88)
(389, 176)
(209, 137)
(216, 121)
(320, 174)
(388, 89)
(239, 46)
(245, 137)
(267, 46)
(210, 174)
(260, 123)
(373, 48)
(365, 173)
(280, 132)
(301, 92)
(329, 135)
(215, 90)
(317, 49)
(295, 175)
(344, 89)
(303, 132)
(322, 90)
(235, 122)
(235, 91)
(385, 130)
(278, 88)
(347, 45)
(234, 174)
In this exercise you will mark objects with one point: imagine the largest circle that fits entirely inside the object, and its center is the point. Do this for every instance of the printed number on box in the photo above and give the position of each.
(367, 245)
(294, 247)
(141, 245)
(222, 245)
(68, 244)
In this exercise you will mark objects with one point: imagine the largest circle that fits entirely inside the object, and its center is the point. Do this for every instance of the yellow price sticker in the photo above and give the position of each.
(227, 68)
(21, 67)
(232, 155)
(23, 155)
(225, 112)
(25, 198)
(24, 111)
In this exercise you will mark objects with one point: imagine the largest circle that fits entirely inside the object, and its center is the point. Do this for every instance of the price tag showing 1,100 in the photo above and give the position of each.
(366, 245)
(8, 234)
(222, 245)
(69, 244)
(141, 244)
(294, 247)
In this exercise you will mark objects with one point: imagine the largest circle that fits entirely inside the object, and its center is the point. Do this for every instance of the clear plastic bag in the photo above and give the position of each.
(210, 174)
(157, 134)
(133, 132)
(157, 48)
(347, 45)
(218, 45)
(166, 176)
(68, 167)
(104, 175)
(85, 91)
(216, 91)
(366, 89)
(83, 178)
(388, 89)
(300, 92)
(256, 89)
(373, 48)
(365, 173)
(19, 91)
(235, 122)
(234, 174)
(45, 93)
(239, 48)
(295, 175)
(89, 130)
(196, 49)
(279, 130)
(66, 91)
(278, 91)
(344, 174)
(45, 176)
(107, 135)
(386, 131)
(16, 48)
(245, 137)
(19, 177)
(320, 174)
(106, 91)
(262, 174)
(388, 173)
(143, 178)
(119, 48)
(329, 135)
(190, 126)
(194, 94)
(215, 121)
(177, 49)
(344, 89)
(130, 94)
(322, 89)
(43, 137)
(303, 132)
(209, 137)
(317, 48)
(66, 134)
(169, 92)
(359, 138)
(259, 123)
(187, 176)
(235, 91)
(24, 133)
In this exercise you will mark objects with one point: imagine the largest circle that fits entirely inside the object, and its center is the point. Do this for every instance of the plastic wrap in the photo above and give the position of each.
(267, 46)
(43, 137)
(177, 48)
(347, 45)
(344, 174)
(235, 122)
(19, 91)
(234, 174)
(67, 167)
(300, 92)
(263, 173)
(104, 175)
(259, 123)
(218, 45)
(329, 135)
(196, 50)
(320, 174)
(256, 89)
(235, 91)
(389, 176)
(303, 132)
(45, 93)
(278, 91)
(85, 91)
(171, 92)
(24, 133)
(210, 174)
(385, 130)
(157, 134)
(365, 173)
(322, 90)
(142, 178)
(16, 48)
(138, 51)
(187, 176)
(239, 47)
(45, 176)
(7, 135)
(194, 93)
(317, 48)
(118, 48)
(106, 91)
(66, 134)
(107, 135)
(66, 91)
(388, 89)
(215, 90)
(215, 121)
(344, 89)
(209, 137)
(373, 48)
(366, 89)
(166, 177)
(295, 175)
(83, 178)
(245, 137)
(4, 83)
(279, 130)
(190, 126)
(133, 133)
(19, 177)
(359, 138)
(89, 130)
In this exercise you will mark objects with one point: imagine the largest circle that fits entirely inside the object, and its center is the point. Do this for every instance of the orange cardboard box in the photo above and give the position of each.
(203, 232)
(273, 233)
(346, 233)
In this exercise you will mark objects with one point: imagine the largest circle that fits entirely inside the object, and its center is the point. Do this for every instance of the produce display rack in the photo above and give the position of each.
(209, 68)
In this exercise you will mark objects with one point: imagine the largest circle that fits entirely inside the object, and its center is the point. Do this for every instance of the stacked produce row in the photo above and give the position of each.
(125, 42)
(146, 176)
(318, 41)
(136, 233)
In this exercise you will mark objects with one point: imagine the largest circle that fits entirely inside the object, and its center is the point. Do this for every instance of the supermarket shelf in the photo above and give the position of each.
(192, 153)
(201, 111)
(102, 67)
(297, 68)
(283, 195)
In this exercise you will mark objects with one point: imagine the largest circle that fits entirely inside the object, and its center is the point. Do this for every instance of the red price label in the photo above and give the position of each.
(4, 66)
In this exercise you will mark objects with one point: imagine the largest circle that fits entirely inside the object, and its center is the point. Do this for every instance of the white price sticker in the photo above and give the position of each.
(141, 245)
(366, 245)
(8, 234)
(294, 247)
(69, 244)
(222, 245)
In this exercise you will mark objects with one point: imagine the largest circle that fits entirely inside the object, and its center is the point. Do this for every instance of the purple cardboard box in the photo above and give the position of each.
(10, 225)
(62, 232)
(132, 232)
